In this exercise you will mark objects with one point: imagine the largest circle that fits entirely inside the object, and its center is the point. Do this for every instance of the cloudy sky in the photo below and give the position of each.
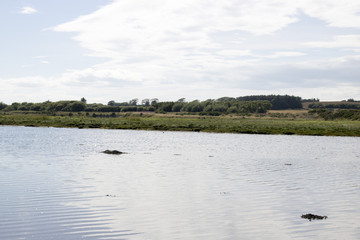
(197, 49)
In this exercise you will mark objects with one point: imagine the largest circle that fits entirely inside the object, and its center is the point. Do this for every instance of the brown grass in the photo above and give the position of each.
(292, 111)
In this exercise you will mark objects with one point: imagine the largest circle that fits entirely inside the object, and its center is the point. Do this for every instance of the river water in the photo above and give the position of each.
(56, 184)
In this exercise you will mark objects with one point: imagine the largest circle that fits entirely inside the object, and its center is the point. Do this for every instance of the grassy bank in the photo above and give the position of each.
(221, 124)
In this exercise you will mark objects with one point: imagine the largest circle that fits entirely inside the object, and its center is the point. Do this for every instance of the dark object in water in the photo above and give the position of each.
(313, 217)
(223, 193)
(116, 152)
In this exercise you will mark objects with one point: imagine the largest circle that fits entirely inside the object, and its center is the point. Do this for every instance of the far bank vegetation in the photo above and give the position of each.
(270, 106)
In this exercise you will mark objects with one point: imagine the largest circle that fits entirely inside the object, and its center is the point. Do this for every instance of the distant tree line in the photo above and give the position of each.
(342, 105)
(350, 100)
(64, 106)
(310, 100)
(214, 107)
(224, 105)
(278, 102)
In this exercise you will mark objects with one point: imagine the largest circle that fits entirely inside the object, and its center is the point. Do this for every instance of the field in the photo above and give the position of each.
(285, 123)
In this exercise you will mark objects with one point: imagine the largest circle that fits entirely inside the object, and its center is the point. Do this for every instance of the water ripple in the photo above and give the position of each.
(56, 184)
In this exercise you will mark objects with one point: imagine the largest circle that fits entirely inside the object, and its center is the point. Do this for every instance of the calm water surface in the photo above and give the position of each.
(56, 184)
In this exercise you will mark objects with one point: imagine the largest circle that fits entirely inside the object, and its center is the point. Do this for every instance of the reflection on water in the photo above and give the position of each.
(56, 184)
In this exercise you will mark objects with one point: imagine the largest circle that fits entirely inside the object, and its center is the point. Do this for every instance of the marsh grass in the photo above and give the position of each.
(163, 122)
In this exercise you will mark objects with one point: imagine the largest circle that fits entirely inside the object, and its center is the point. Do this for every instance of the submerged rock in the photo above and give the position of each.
(109, 195)
(310, 217)
(116, 152)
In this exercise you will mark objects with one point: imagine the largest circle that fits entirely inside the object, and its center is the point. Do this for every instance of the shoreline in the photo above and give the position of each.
(218, 124)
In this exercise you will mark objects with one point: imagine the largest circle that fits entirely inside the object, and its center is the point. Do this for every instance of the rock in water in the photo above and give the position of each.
(116, 152)
(313, 217)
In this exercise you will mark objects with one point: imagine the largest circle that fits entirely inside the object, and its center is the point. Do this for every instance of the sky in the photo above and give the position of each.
(195, 49)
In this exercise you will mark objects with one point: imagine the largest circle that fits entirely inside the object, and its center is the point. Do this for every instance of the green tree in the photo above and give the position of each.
(194, 106)
(232, 109)
(13, 107)
(164, 106)
(76, 106)
(145, 102)
(154, 101)
(2, 105)
(177, 106)
(225, 99)
(278, 101)
(24, 106)
(37, 107)
(133, 102)
(181, 100)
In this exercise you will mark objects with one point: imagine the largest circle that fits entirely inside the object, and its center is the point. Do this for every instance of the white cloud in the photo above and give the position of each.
(174, 34)
(286, 54)
(24, 82)
(326, 74)
(26, 65)
(157, 41)
(341, 41)
(28, 10)
(343, 14)
(204, 49)
(160, 28)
